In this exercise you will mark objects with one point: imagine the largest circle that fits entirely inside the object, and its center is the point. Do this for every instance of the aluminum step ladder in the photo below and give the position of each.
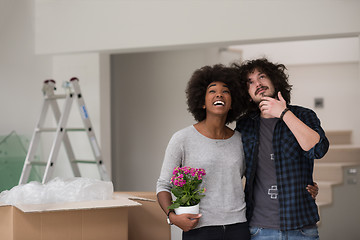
(61, 136)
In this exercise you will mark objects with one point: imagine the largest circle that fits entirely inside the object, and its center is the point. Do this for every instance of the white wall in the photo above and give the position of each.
(127, 26)
(337, 84)
(316, 51)
(21, 71)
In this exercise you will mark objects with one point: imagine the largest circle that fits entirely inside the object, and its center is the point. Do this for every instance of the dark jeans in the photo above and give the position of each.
(237, 231)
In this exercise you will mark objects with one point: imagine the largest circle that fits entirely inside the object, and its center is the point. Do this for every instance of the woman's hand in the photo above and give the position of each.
(185, 221)
(313, 190)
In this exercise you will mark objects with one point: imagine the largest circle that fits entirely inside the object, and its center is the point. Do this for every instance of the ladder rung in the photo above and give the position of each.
(59, 96)
(75, 129)
(66, 129)
(84, 161)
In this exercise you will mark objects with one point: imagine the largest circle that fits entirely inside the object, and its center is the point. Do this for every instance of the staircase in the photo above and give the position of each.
(338, 177)
(329, 171)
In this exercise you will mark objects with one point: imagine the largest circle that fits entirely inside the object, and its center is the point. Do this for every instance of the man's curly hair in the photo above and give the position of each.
(277, 74)
(199, 82)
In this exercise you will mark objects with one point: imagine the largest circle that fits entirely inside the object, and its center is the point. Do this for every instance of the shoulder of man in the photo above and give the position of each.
(244, 121)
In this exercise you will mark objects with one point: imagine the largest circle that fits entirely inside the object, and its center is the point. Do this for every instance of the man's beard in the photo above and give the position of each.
(273, 95)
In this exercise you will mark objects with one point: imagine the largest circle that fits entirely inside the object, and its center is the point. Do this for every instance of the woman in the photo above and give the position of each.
(215, 99)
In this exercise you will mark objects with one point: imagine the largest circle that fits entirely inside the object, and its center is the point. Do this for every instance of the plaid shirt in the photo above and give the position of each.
(294, 167)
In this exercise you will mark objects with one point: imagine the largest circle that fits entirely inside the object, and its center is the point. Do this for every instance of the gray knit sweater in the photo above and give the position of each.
(223, 161)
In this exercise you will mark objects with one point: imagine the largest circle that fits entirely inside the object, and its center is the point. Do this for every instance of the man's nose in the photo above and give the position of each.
(257, 83)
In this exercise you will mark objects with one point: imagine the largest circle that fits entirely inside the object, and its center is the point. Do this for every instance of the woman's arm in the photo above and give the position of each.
(184, 221)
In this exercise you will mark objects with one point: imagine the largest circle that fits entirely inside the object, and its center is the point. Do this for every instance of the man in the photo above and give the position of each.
(280, 143)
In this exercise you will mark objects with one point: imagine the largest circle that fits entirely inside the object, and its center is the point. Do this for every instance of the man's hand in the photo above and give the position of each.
(313, 190)
(271, 106)
(185, 221)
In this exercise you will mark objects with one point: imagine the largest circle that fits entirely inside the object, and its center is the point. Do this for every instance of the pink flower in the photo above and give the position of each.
(186, 185)
(176, 170)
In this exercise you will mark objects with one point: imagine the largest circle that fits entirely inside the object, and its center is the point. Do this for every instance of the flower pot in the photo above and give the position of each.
(190, 209)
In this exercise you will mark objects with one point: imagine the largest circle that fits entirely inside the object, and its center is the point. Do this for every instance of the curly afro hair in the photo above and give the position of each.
(276, 72)
(197, 87)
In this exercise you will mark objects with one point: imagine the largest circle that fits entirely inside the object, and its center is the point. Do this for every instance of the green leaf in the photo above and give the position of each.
(199, 196)
(184, 199)
(178, 192)
(174, 205)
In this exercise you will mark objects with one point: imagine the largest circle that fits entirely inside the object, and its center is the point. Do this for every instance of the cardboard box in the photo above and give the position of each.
(147, 222)
(106, 219)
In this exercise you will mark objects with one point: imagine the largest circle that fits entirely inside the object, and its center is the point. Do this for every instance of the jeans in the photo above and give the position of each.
(238, 231)
(308, 233)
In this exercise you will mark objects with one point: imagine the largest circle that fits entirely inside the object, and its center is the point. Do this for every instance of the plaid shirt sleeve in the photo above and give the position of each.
(310, 119)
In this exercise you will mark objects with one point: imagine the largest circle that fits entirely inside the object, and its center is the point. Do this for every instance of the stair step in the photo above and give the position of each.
(341, 153)
(322, 204)
(331, 171)
(328, 172)
(339, 137)
(325, 192)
